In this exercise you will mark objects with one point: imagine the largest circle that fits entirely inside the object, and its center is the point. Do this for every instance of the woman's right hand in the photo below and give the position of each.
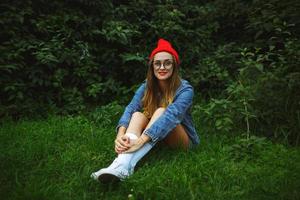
(122, 143)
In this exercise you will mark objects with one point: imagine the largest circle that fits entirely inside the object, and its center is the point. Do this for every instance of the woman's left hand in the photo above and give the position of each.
(138, 143)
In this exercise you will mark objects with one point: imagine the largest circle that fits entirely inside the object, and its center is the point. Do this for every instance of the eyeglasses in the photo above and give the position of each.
(167, 64)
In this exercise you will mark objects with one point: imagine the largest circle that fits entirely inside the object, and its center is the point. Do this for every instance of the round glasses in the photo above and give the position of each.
(167, 64)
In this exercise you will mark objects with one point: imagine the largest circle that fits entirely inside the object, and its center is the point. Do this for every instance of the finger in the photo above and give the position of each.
(120, 151)
(123, 144)
(116, 150)
(118, 143)
(134, 147)
(123, 149)
(120, 148)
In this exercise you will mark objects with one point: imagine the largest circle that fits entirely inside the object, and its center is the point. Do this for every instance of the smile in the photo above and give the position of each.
(162, 73)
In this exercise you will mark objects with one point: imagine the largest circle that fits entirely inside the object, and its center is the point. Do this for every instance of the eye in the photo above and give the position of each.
(157, 64)
(168, 63)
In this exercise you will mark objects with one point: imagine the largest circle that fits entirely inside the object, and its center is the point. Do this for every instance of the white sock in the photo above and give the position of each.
(125, 158)
(138, 155)
(132, 137)
(129, 160)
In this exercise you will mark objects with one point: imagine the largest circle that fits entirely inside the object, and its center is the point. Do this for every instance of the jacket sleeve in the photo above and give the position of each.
(133, 106)
(172, 116)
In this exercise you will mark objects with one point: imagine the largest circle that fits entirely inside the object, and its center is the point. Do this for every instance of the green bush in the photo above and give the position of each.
(67, 57)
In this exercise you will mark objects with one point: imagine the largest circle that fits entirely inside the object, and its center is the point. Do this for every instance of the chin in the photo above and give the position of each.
(163, 78)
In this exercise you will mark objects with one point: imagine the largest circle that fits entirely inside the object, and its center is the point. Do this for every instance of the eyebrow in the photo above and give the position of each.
(162, 60)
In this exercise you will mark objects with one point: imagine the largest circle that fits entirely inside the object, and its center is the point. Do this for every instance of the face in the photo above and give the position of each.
(163, 65)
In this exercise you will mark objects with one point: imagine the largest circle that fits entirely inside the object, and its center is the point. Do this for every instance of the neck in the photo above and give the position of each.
(163, 85)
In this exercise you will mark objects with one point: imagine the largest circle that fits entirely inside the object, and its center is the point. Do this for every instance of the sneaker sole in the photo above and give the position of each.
(108, 178)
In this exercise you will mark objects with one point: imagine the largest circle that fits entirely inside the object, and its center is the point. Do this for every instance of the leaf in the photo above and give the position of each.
(132, 57)
(218, 123)
(8, 68)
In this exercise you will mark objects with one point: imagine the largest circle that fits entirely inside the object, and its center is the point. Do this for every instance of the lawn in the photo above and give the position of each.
(53, 158)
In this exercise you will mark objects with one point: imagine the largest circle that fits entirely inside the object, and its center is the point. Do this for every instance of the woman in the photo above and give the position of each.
(159, 111)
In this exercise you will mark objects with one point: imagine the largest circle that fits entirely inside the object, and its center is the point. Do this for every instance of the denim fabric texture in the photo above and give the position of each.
(178, 112)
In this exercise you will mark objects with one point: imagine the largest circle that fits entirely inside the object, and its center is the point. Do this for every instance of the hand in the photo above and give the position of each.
(138, 143)
(122, 143)
(136, 146)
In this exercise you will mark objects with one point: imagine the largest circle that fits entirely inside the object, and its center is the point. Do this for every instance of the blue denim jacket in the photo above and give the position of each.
(178, 112)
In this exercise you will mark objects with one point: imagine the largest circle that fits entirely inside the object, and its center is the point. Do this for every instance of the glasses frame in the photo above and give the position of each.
(163, 64)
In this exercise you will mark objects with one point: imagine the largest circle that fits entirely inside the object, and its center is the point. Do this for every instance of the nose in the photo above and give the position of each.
(162, 64)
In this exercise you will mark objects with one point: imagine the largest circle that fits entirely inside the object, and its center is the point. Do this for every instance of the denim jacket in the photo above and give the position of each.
(178, 112)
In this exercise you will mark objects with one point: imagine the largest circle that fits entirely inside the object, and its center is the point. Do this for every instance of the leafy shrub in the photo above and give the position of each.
(216, 114)
(242, 56)
(247, 148)
(107, 115)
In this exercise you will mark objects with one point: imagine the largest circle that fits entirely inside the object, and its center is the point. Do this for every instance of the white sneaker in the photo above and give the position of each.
(114, 173)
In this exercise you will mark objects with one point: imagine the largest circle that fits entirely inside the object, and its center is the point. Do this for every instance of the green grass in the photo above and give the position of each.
(53, 159)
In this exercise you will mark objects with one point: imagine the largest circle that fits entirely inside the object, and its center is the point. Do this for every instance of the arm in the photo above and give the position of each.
(133, 106)
(122, 141)
(172, 116)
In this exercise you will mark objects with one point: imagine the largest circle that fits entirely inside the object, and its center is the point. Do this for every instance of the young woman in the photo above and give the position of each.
(159, 111)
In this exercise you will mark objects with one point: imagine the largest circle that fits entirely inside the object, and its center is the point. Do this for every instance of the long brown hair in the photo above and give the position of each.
(152, 100)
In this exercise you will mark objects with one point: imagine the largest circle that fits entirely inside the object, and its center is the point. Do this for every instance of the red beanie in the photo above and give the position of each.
(164, 45)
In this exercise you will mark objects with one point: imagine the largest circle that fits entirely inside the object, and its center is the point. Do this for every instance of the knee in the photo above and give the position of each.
(159, 111)
(138, 115)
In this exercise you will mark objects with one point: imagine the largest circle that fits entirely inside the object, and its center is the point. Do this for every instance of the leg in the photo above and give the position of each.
(177, 137)
(158, 112)
(123, 165)
(137, 123)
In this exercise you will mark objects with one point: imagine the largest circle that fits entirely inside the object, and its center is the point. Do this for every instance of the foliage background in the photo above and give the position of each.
(242, 57)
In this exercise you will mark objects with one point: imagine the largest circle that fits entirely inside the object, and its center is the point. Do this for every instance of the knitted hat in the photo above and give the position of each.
(164, 45)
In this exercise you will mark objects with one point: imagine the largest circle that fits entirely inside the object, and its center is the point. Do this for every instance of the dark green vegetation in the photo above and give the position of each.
(242, 57)
(63, 62)
(53, 158)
